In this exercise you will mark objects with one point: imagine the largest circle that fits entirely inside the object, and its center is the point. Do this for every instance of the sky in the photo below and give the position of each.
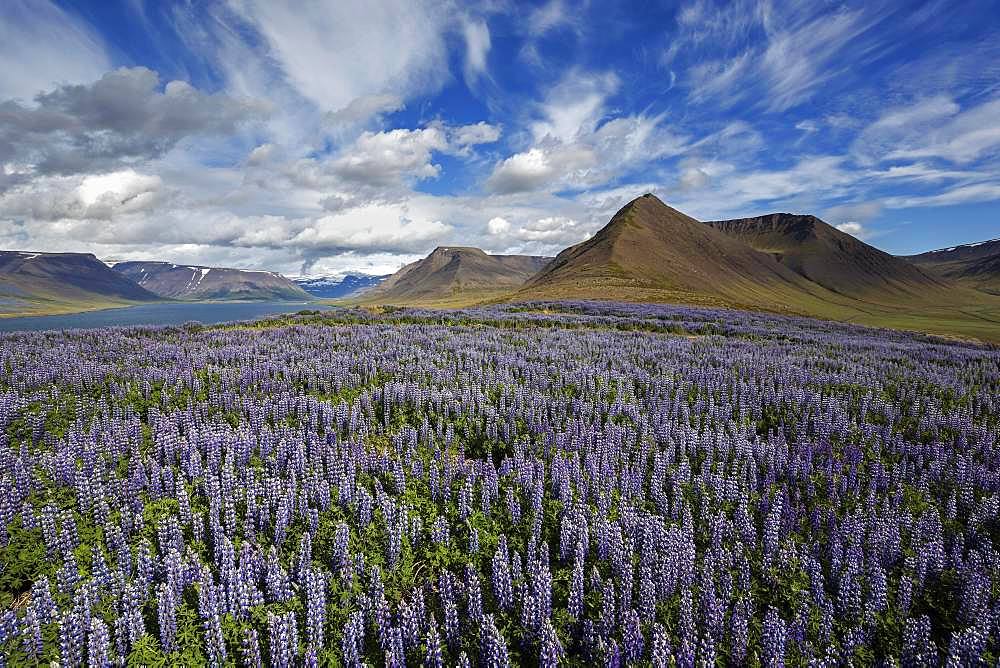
(357, 136)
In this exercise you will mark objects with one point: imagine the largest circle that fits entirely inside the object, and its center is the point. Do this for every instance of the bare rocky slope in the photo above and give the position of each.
(187, 282)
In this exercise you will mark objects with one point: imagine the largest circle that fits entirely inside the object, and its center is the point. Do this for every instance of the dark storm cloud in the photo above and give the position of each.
(122, 118)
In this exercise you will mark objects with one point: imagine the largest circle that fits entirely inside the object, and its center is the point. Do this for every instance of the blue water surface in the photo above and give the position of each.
(169, 313)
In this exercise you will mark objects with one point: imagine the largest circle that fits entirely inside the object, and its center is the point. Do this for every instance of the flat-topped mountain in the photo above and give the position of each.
(975, 265)
(193, 282)
(36, 283)
(456, 272)
(832, 258)
(650, 251)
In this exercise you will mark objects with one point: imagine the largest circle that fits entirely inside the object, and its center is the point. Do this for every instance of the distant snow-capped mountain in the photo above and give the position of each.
(336, 287)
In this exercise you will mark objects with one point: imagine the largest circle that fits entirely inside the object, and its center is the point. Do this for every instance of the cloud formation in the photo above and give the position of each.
(120, 119)
(338, 136)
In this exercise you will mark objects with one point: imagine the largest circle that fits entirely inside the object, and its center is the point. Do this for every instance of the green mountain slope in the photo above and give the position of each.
(45, 283)
(788, 264)
(454, 275)
(834, 259)
(974, 265)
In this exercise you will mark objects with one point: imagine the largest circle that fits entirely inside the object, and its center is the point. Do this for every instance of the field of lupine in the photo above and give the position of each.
(571, 484)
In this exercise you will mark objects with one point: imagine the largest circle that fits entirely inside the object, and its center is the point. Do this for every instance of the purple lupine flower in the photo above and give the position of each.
(32, 634)
(315, 607)
(967, 647)
(250, 649)
(341, 560)
(451, 629)
(685, 654)
(660, 650)
(71, 639)
(773, 639)
(97, 645)
(41, 599)
(632, 639)
(395, 656)
(614, 655)
(283, 639)
(166, 609)
(439, 531)
(474, 596)
(576, 590)
(706, 650)
(493, 648)
(353, 640)
(209, 610)
(918, 649)
(550, 649)
(503, 590)
(739, 623)
(433, 657)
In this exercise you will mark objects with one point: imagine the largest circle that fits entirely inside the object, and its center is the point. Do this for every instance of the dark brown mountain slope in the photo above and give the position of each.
(456, 273)
(974, 265)
(652, 252)
(39, 283)
(834, 259)
(178, 281)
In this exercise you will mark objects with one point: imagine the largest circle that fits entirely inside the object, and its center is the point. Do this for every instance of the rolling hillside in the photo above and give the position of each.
(456, 274)
(48, 283)
(834, 259)
(974, 265)
(177, 281)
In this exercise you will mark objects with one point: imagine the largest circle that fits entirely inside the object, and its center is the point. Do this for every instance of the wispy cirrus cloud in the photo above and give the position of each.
(776, 56)
(42, 45)
(376, 48)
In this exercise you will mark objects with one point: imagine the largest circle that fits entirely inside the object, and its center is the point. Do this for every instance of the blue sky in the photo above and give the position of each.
(359, 135)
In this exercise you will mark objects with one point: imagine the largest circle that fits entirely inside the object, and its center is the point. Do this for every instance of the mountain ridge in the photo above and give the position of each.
(832, 258)
(199, 282)
(976, 265)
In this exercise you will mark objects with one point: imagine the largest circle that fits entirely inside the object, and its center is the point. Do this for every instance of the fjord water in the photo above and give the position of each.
(172, 313)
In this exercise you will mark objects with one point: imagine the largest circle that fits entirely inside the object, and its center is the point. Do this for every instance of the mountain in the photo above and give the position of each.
(40, 283)
(975, 265)
(329, 287)
(192, 282)
(455, 274)
(833, 259)
(652, 252)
